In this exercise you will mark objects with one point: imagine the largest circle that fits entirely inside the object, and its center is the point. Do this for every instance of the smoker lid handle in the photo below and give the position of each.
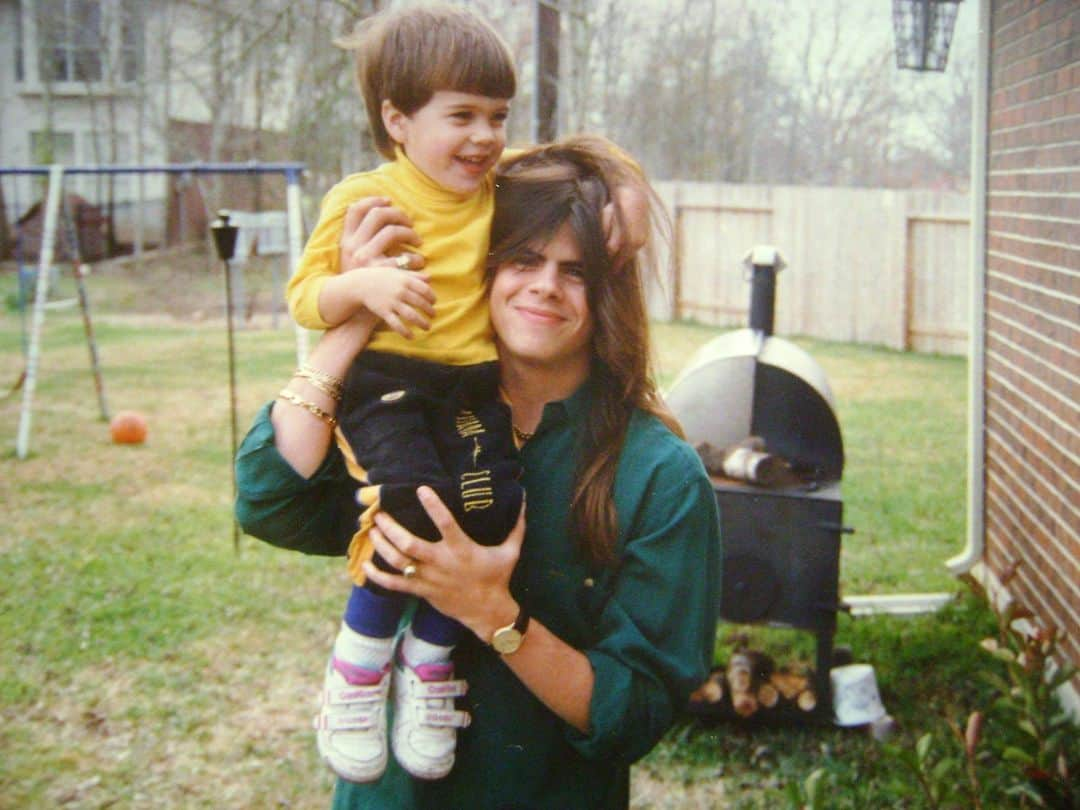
(835, 527)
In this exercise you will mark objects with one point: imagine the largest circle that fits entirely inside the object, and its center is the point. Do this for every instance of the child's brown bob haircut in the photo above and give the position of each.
(407, 55)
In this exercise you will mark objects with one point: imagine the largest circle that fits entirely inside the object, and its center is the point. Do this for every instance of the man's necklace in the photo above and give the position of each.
(520, 435)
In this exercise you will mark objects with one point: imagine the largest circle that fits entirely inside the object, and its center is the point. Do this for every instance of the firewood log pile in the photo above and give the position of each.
(751, 462)
(751, 686)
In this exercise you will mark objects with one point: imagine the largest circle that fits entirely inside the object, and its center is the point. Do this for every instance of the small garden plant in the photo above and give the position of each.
(1018, 750)
(1024, 734)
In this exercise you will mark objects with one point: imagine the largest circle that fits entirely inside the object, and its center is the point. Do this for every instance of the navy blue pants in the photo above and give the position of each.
(410, 422)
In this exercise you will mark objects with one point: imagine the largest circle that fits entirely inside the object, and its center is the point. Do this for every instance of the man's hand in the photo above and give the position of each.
(626, 222)
(374, 229)
(458, 577)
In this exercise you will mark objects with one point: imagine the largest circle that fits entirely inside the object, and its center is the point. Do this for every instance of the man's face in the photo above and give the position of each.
(539, 306)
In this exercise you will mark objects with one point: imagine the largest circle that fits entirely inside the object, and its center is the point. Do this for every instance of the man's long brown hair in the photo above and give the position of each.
(570, 182)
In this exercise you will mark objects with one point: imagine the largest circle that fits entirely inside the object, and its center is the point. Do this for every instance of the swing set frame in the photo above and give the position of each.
(53, 203)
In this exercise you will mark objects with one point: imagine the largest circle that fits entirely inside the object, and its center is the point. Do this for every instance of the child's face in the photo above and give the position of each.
(455, 139)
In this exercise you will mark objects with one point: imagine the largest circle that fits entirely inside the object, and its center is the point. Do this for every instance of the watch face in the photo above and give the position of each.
(506, 640)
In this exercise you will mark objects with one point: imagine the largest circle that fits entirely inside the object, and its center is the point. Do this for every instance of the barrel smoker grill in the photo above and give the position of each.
(781, 553)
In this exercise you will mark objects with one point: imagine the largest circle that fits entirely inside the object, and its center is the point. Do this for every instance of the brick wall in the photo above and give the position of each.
(1032, 338)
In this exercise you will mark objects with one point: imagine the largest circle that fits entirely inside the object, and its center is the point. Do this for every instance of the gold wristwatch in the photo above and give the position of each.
(507, 640)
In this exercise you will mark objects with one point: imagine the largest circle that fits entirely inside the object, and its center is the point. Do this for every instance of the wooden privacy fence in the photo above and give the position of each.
(870, 266)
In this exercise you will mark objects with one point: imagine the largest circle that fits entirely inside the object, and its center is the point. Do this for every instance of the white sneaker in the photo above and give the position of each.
(351, 723)
(425, 721)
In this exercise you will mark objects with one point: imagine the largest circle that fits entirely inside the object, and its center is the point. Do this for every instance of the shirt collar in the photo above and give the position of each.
(574, 408)
(412, 174)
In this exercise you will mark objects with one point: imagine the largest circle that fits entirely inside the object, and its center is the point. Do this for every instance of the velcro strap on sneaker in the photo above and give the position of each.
(427, 690)
(346, 722)
(455, 719)
(357, 694)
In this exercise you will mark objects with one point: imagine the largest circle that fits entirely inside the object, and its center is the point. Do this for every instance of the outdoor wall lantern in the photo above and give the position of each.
(923, 30)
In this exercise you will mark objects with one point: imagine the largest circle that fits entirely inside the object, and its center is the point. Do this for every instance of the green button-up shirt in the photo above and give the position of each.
(647, 625)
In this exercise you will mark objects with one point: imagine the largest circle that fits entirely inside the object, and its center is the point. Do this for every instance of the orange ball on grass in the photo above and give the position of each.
(128, 427)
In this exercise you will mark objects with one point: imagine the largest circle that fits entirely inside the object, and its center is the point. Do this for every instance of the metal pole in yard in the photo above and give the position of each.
(48, 241)
(225, 243)
(81, 269)
(296, 236)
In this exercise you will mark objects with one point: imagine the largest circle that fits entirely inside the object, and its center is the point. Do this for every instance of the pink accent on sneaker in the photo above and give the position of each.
(434, 672)
(351, 724)
(425, 720)
(357, 675)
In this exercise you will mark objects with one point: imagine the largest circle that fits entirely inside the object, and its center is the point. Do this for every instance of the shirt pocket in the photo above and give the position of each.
(593, 592)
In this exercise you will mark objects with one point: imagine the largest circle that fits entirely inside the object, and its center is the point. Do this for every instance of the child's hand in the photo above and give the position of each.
(626, 222)
(374, 228)
(368, 280)
(400, 297)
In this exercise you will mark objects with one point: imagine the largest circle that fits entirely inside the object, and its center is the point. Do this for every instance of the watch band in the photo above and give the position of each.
(521, 623)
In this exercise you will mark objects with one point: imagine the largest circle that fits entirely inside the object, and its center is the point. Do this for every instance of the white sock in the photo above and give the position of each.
(417, 651)
(362, 651)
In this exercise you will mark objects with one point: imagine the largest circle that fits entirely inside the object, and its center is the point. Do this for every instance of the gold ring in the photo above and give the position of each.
(402, 262)
(410, 570)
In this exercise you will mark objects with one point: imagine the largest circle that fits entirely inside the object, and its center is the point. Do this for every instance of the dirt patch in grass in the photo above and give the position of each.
(671, 792)
(224, 723)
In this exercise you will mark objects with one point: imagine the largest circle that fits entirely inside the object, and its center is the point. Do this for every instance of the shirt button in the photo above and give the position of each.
(589, 582)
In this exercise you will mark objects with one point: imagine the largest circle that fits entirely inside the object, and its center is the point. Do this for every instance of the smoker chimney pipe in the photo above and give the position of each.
(763, 262)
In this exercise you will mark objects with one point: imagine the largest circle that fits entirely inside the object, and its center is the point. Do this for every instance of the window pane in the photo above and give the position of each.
(87, 66)
(85, 22)
(130, 40)
(20, 68)
(53, 147)
(54, 65)
(52, 44)
(87, 42)
(70, 40)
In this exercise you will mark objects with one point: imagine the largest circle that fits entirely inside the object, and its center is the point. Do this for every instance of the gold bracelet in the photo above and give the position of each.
(327, 377)
(327, 383)
(294, 399)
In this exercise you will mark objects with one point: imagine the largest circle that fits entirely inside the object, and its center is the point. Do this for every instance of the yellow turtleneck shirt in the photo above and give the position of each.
(454, 230)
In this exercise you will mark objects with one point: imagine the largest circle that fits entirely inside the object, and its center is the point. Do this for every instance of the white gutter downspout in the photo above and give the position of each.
(971, 557)
(966, 560)
(976, 483)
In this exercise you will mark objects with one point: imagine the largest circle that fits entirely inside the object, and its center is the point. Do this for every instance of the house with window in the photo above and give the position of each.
(136, 82)
(72, 80)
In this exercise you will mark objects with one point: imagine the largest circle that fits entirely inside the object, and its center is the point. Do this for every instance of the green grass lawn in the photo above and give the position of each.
(143, 662)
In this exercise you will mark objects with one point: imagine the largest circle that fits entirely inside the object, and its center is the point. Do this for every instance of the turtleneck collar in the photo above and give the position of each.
(410, 173)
